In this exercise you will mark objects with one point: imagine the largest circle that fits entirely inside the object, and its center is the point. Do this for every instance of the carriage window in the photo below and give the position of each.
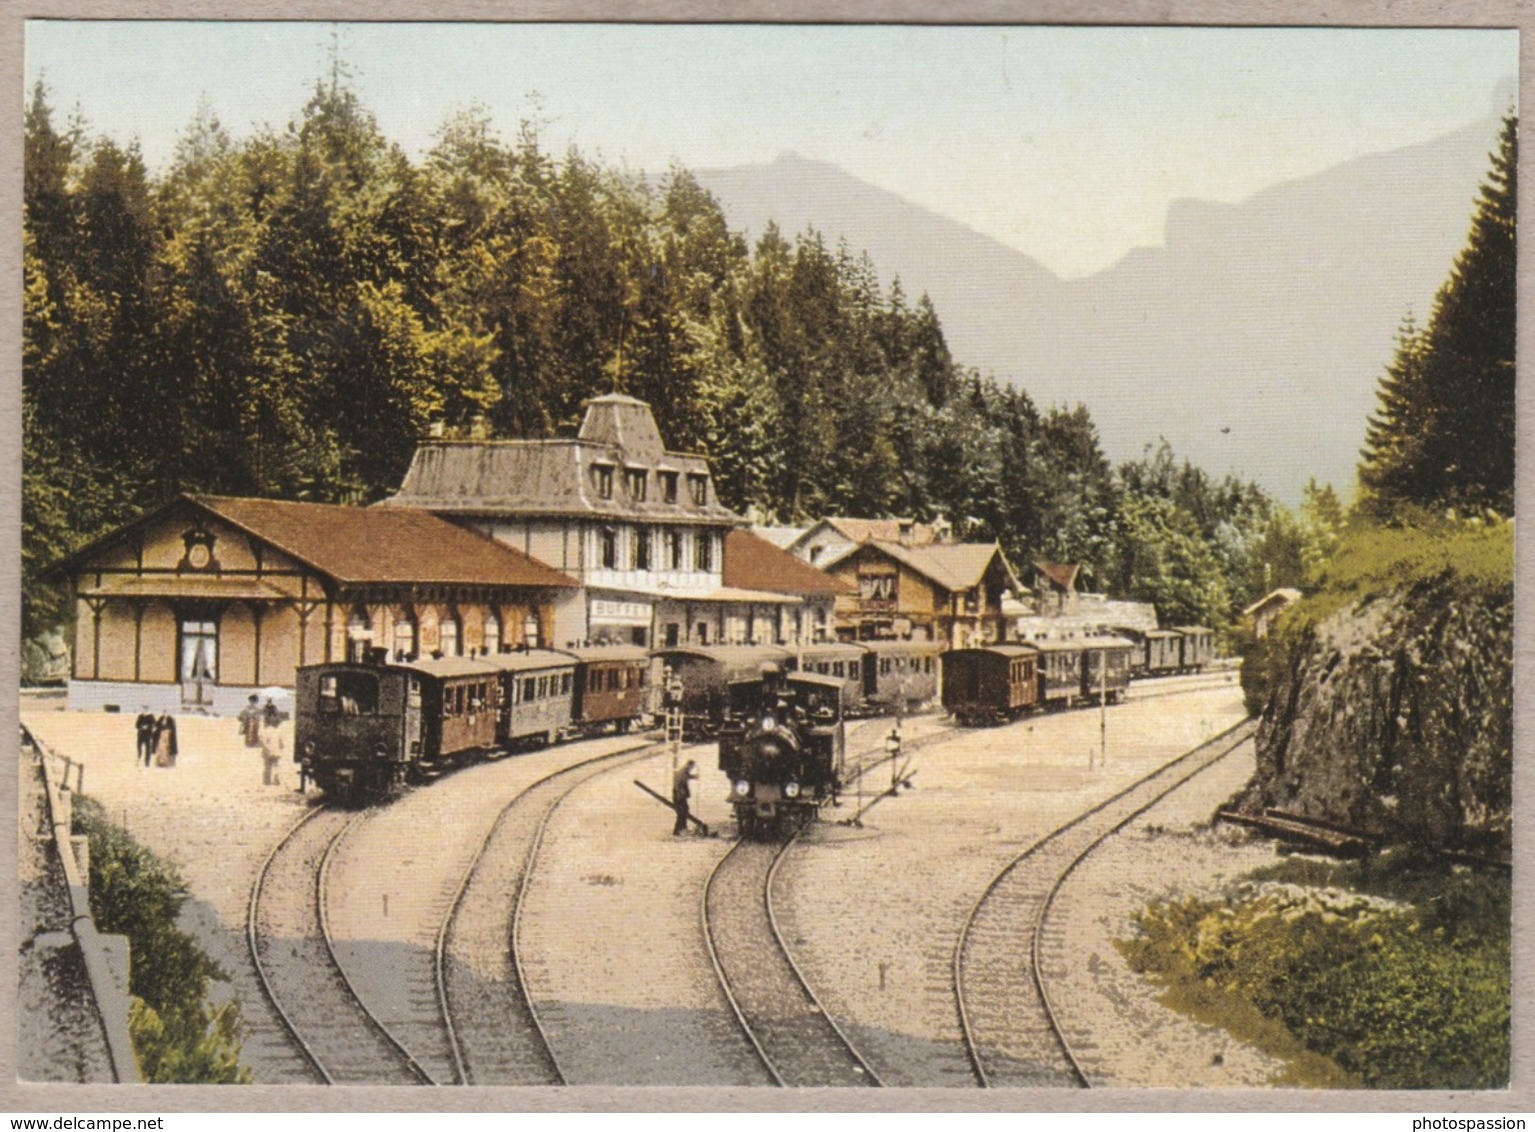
(927, 665)
(565, 684)
(884, 666)
(543, 687)
(527, 689)
(612, 679)
(349, 693)
(593, 680)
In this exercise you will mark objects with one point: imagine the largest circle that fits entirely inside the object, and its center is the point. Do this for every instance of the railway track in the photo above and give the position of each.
(1011, 1034)
(295, 963)
(499, 1034)
(799, 1044)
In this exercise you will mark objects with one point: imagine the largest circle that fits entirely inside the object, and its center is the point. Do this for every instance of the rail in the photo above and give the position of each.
(107, 978)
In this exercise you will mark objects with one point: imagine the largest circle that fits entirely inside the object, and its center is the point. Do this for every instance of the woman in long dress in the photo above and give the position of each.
(165, 740)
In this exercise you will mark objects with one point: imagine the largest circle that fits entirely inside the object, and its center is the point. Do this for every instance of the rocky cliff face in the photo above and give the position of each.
(1394, 712)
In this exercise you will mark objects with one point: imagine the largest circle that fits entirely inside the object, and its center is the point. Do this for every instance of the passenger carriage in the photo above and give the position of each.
(844, 661)
(1060, 672)
(899, 675)
(537, 689)
(613, 688)
(990, 684)
(1106, 665)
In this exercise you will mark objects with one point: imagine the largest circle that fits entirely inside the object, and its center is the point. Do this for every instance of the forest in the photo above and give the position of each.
(286, 314)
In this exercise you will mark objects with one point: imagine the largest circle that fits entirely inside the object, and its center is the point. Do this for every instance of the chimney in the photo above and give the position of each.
(907, 531)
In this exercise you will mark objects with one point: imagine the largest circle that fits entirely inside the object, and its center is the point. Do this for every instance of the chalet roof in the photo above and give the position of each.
(753, 563)
(1062, 575)
(555, 477)
(879, 530)
(956, 566)
(358, 545)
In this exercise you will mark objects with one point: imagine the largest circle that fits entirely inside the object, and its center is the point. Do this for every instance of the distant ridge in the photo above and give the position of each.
(1271, 318)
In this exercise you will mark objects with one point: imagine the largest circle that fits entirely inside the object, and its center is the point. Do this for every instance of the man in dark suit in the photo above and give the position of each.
(145, 725)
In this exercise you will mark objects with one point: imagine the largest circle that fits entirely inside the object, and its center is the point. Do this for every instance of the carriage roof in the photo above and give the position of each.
(448, 667)
(729, 655)
(595, 654)
(528, 660)
(1010, 651)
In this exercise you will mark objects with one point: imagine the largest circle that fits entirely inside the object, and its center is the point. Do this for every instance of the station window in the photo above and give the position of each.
(641, 548)
(674, 549)
(668, 487)
(703, 544)
(490, 637)
(607, 548)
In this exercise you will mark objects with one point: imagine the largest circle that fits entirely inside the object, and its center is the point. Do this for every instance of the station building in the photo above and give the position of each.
(209, 599)
(641, 529)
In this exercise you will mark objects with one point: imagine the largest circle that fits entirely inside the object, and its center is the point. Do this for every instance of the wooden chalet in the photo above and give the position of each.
(209, 599)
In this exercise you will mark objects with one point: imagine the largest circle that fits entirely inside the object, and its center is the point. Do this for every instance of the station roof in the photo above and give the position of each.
(353, 545)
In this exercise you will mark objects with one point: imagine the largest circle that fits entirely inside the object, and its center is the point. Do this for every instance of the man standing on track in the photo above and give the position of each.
(681, 792)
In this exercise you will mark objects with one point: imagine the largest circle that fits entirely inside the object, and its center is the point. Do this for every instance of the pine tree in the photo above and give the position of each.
(1444, 432)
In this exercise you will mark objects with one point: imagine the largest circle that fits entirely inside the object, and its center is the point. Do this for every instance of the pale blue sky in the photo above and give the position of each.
(1065, 143)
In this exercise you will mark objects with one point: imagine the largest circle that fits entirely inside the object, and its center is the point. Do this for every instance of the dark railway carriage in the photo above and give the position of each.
(782, 747)
(612, 688)
(1106, 668)
(1196, 647)
(990, 684)
(706, 672)
(537, 686)
(899, 675)
(842, 661)
(360, 728)
(1060, 672)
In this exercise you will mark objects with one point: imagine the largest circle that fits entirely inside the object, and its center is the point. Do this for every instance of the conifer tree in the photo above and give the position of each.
(1444, 432)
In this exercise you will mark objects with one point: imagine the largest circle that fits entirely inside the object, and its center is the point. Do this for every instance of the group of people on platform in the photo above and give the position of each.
(260, 727)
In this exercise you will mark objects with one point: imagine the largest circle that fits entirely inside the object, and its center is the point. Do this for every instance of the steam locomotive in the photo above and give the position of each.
(782, 747)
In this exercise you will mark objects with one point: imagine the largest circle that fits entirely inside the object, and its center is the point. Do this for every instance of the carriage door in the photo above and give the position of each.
(198, 659)
(870, 675)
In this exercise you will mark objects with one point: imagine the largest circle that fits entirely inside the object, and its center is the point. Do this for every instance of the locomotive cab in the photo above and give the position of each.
(781, 747)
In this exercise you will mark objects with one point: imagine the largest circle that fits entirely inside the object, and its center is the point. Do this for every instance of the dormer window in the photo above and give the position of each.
(603, 475)
(698, 488)
(635, 479)
(668, 487)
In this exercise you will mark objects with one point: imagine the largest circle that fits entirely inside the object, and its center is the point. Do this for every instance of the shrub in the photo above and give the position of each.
(178, 1035)
(1398, 995)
